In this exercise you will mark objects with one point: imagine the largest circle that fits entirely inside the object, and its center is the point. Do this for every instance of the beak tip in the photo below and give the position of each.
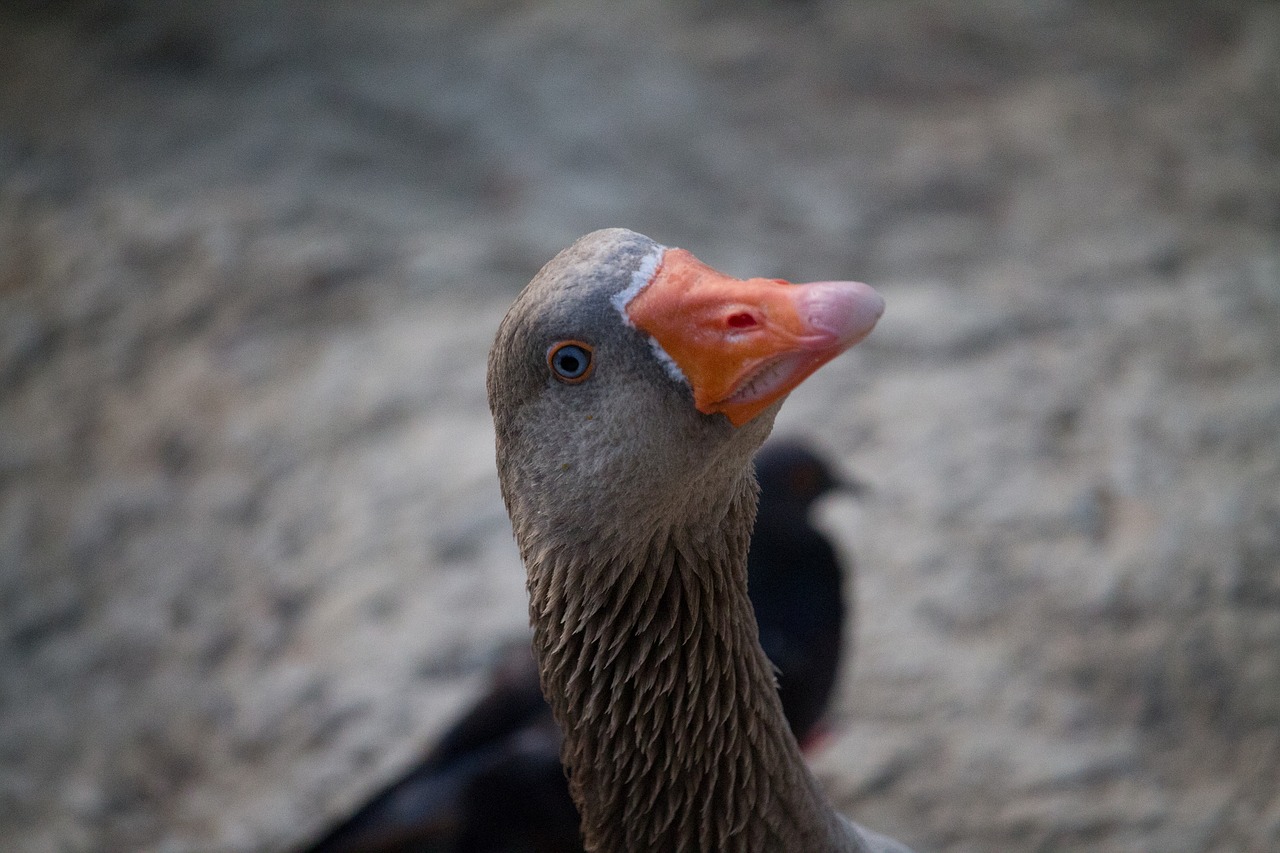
(849, 310)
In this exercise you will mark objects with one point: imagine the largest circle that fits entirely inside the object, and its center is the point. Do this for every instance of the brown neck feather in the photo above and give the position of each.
(674, 735)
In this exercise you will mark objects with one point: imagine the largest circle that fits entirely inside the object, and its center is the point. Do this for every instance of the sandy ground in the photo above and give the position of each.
(252, 555)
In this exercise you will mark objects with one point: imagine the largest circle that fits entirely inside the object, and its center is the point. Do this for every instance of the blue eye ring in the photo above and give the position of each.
(571, 362)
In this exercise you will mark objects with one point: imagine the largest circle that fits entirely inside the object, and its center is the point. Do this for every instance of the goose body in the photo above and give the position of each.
(630, 386)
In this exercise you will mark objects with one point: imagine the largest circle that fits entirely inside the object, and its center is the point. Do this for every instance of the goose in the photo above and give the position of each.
(493, 780)
(630, 385)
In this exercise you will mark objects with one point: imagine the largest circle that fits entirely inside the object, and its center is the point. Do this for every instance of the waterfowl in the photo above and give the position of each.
(630, 385)
(494, 781)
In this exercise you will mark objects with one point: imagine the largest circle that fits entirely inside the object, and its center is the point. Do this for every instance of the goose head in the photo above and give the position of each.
(630, 384)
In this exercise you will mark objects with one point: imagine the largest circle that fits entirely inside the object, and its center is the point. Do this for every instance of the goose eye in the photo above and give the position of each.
(570, 361)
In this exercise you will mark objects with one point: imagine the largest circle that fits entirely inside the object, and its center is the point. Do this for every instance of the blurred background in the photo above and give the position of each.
(252, 255)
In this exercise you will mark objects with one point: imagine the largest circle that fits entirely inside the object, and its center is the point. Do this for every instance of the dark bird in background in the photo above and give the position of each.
(796, 582)
(493, 783)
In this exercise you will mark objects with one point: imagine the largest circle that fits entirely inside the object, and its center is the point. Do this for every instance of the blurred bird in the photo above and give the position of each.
(493, 783)
(796, 582)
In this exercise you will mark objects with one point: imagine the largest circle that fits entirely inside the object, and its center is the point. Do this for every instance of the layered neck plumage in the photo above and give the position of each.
(674, 735)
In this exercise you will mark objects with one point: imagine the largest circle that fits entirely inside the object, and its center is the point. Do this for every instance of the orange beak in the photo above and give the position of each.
(742, 345)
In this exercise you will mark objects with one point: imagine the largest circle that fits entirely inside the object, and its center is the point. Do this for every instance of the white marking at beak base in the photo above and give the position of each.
(640, 279)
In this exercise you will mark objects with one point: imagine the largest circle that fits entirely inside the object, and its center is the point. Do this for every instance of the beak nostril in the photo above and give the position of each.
(741, 320)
